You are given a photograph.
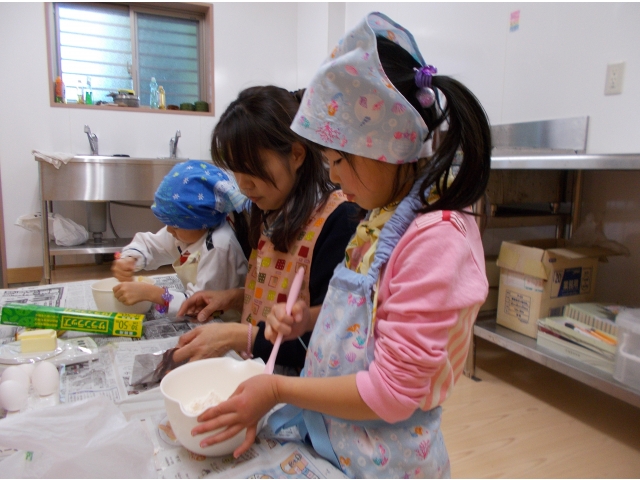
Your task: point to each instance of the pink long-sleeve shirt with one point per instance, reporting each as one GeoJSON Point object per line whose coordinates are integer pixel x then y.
{"type": "Point", "coordinates": [430, 293]}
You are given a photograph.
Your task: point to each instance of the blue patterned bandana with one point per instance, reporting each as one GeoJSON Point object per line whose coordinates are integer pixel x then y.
{"type": "Point", "coordinates": [196, 195]}
{"type": "Point", "coordinates": [352, 106]}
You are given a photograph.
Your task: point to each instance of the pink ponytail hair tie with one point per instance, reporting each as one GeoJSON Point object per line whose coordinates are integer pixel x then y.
{"type": "Point", "coordinates": [426, 96]}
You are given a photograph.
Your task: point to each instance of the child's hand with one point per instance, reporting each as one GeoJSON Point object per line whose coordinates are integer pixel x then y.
{"type": "Point", "coordinates": [206, 302]}
{"type": "Point", "coordinates": [206, 341]}
{"type": "Point", "coordinates": [131, 293]}
{"type": "Point", "coordinates": [251, 401]}
{"type": "Point", "coordinates": [123, 269]}
{"type": "Point", "coordinates": [291, 326]}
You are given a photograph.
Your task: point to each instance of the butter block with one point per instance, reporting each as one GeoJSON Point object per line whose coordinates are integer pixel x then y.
{"type": "Point", "coordinates": [43, 340]}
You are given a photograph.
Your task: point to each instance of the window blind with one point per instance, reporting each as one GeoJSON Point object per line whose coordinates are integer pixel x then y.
{"type": "Point", "coordinates": [168, 50]}
{"type": "Point", "coordinates": [96, 42]}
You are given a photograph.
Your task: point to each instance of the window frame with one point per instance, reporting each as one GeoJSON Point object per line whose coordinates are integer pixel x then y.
{"type": "Point", "coordinates": [204, 13]}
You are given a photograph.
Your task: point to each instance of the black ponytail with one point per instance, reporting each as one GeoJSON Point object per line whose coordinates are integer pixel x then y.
{"type": "Point", "coordinates": [468, 131]}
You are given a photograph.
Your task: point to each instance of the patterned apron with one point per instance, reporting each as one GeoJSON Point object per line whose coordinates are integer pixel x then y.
{"type": "Point", "coordinates": [342, 344]}
{"type": "Point", "coordinates": [270, 272]}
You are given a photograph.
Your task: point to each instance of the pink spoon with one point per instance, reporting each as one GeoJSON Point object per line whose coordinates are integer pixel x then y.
{"type": "Point", "coordinates": [293, 296]}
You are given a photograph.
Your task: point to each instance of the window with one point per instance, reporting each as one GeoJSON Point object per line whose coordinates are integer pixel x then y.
{"type": "Point", "coordinates": [112, 47]}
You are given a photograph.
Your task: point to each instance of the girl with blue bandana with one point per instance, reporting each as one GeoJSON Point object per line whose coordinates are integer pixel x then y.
{"type": "Point", "coordinates": [395, 327]}
{"type": "Point", "coordinates": [193, 201]}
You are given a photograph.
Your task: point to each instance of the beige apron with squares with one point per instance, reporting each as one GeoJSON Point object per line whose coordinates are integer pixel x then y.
{"type": "Point", "coordinates": [271, 272]}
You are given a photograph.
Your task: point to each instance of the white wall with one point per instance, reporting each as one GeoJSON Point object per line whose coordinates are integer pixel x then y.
{"type": "Point", "coordinates": [553, 66]}
{"type": "Point", "coordinates": [254, 43]}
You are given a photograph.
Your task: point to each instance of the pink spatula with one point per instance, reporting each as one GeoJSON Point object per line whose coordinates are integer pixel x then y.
{"type": "Point", "coordinates": [293, 296]}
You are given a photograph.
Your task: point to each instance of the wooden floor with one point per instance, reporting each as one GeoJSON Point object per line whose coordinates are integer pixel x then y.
{"type": "Point", "coordinates": [521, 420]}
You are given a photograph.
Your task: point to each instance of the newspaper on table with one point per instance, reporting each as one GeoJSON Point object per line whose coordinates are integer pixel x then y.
{"type": "Point", "coordinates": [271, 456]}
{"type": "Point", "coordinates": [76, 295]}
{"type": "Point", "coordinates": [50, 296]}
{"type": "Point", "coordinates": [108, 375]}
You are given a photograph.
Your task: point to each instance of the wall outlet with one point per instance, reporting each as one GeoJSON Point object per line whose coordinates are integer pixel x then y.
{"type": "Point", "coordinates": [615, 77]}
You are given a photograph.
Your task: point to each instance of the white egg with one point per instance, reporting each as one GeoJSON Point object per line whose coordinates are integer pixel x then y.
{"type": "Point", "coordinates": [13, 395]}
{"type": "Point", "coordinates": [16, 373]}
{"type": "Point", "coordinates": [45, 378]}
{"type": "Point", "coordinates": [27, 368]}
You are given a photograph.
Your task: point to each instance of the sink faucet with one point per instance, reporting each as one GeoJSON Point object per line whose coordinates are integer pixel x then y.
{"type": "Point", "coordinates": [93, 140]}
{"type": "Point", "coordinates": [173, 145]}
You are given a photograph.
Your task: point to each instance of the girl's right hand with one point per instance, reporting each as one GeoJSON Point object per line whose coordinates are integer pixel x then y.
{"type": "Point", "coordinates": [123, 269]}
{"type": "Point", "coordinates": [291, 326]}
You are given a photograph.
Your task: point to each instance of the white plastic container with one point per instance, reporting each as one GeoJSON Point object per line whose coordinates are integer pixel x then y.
{"type": "Point", "coordinates": [627, 364]}
{"type": "Point", "coordinates": [106, 301]}
{"type": "Point", "coordinates": [195, 380]}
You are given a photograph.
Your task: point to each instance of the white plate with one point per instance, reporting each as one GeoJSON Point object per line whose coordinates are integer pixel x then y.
{"type": "Point", "coordinates": [10, 353]}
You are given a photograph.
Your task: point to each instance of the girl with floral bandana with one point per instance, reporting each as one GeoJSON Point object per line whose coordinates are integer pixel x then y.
{"type": "Point", "coordinates": [395, 327]}
{"type": "Point", "coordinates": [194, 201]}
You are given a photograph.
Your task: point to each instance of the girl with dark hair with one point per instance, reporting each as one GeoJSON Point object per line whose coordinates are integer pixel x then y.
{"type": "Point", "coordinates": [395, 327]}
{"type": "Point", "coordinates": [296, 217]}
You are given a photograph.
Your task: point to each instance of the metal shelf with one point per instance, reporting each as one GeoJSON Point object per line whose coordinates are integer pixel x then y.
{"type": "Point", "coordinates": [621, 161]}
{"type": "Point", "coordinates": [487, 329]}
{"type": "Point", "coordinates": [108, 245]}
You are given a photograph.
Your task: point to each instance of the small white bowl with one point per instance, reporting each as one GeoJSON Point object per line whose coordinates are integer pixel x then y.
{"type": "Point", "coordinates": [196, 380]}
{"type": "Point", "coordinates": [106, 301]}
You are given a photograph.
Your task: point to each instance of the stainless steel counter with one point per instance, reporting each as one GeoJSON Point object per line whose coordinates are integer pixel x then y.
{"type": "Point", "coordinates": [96, 179]}
{"type": "Point", "coordinates": [621, 161]}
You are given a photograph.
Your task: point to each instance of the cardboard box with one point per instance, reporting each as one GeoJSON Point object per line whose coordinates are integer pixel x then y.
{"type": "Point", "coordinates": [539, 277]}
{"type": "Point", "coordinates": [59, 318]}
{"type": "Point", "coordinates": [491, 303]}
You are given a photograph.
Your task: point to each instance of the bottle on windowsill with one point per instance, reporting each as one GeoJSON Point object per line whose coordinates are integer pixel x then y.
{"type": "Point", "coordinates": [162, 101]}
{"type": "Point", "coordinates": [88, 95]}
{"type": "Point", "coordinates": [60, 91]}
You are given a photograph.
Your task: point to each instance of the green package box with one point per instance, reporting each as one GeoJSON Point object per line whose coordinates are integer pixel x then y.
{"type": "Point", "coordinates": [59, 318]}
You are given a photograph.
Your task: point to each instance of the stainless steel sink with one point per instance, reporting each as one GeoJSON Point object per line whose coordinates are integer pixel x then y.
{"type": "Point", "coordinates": [97, 178]}
{"type": "Point", "coordinates": [103, 178]}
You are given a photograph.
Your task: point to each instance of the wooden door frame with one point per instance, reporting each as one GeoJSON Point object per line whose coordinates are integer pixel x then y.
{"type": "Point", "coordinates": [3, 249]}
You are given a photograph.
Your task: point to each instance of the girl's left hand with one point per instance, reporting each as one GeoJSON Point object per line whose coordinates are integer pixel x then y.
{"type": "Point", "coordinates": [291, 326]}
{"type": "Point", "coordinates": [251, 401]}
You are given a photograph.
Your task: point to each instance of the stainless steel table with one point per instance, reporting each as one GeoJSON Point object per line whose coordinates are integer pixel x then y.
{"type": "Point", "coordinates": [486, 326]}
{"type": "Point", "coordinates": [96, 179]}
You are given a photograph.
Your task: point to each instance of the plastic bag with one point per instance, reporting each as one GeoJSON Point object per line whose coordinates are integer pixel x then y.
{"type": "Point", "coordinates": [64, 231]}
{"type": "Point", "coordinates": [33, 223]}
{"type": "Point", "coordinates": [67, 233]}
{"type": "Point", "coordinates": [590, 234]}
{"type": "Point", "coordinates": [86, 439]}
{"type": "Point", "coordinates": [150, 368]}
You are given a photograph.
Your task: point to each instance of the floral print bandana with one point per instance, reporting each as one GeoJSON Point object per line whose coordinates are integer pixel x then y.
{"type": "Point", "coordinates": [352, 106]}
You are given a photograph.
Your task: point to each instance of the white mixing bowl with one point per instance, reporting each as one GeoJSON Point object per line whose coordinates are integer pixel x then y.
{"type": "Point", "coordinates": [106, 301]}
{"type": "Point", "coordinates": [196, 380]}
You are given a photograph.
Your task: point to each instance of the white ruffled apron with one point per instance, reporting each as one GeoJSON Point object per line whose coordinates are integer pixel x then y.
{"type": "Point", "coordinates": [188, 271]}
{"type": "Point", "coordinates": [342, 344]}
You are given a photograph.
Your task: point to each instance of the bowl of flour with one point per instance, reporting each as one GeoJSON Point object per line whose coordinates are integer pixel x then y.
{"type": "Point", "coordinates": [196, 386]}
